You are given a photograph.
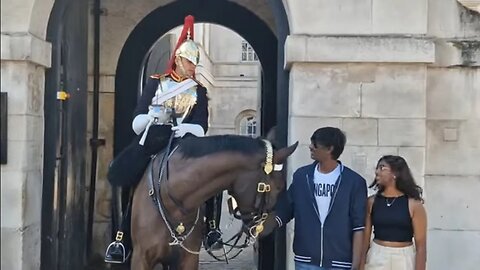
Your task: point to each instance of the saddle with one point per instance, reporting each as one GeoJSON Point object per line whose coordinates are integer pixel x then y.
{"type": "Point", "coordinates": [155, 178]}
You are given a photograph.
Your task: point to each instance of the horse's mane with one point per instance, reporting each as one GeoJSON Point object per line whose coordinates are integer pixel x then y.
{"type": "Point", "coordinates": [194, 147]}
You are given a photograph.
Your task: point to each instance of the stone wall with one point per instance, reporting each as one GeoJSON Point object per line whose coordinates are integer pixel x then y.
{"type": "Point", "coordinates": [357, 17]}
{"type": "Point", "coordinates": [452, 137]}
{"type": "Point", "coordinates": [21, 177]}
{"type": "Point", "coordinates": [399, 77]}
{"type": "Point", "coordinates": [24, 58]}
{"type": "Point", "coordinates": [395, 91]}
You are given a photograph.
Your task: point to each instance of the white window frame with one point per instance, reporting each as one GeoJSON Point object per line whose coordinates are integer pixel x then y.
{"type": "Point", "coordinates": [246, 124]}
{"type": "Point", "coordinates": [248, 53]}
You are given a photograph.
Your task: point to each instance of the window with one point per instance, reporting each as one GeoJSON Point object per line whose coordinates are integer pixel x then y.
{"type": "Point", "coordinates": [246, 123]}
{"type": "Point", "coordinates": [248, 54]}
{"type": "Point", "coordinates": [248, 126]}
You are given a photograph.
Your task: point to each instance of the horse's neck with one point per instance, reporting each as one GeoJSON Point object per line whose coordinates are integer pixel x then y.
{"type": "Point", "coordinates": [193, 181]}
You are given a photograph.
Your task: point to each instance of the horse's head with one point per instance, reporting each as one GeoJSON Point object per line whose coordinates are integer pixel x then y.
{"type": "Point", "coordinates": [256, 189]}
{"type": "Point", "coordinates": [250, 169]}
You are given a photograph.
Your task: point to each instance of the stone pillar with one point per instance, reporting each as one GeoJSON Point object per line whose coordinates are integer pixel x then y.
{"type": "Point", "coordinates": [452, 174]}
{"type": "Point", "coordinates": [380, 105]}
{"type": "Point", "coordinates": [360, 66]}
{"type": "Point", "coordinates": [24, 59]}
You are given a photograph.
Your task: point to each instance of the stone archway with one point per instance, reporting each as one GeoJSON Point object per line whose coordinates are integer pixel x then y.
{"type": "Point", "coordinates": [267, 39]}
{"type": "Point", "coordinates": [40, 16]}
{"type": "Point", "coordinates": [26, 54]}
{"type": "Point", "coordinates": [225, 13]}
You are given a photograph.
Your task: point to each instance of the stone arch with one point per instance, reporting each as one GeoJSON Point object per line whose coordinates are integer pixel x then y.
{"type": "Point", "coordinates": [39, 17]}
{"type": "Point", "coordinates": [267, 38]}
{"type": "Point", "coordinates": [286, 4]}
{"type": "Point", "coordinates": [147, 31]}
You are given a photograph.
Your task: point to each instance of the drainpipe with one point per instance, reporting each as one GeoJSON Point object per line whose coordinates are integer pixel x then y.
{"type": "Point", "coordinates": [95, 142]}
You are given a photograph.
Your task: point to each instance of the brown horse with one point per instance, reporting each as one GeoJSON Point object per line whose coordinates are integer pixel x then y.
{"type": "Point", "coordinates": [198, 169]}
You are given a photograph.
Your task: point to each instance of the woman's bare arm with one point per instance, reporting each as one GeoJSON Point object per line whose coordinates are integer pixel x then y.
{"type": "Point", "coordinates": [419, 222]}
{"type": "Point", "coordinates": [367, 232]}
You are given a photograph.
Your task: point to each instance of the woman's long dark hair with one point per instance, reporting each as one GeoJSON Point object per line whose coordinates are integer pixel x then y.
{"type": "Point", "coordinates": [404, 179]}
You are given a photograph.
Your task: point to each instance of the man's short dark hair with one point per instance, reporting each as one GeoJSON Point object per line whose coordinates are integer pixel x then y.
{"type": "Point", "coordinates": [330, 136]}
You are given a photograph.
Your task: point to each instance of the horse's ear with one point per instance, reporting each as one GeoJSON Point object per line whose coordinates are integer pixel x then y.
{"type": "Point", "coordinates": [281, 155]}
{"type": "Point", "coordinates": [271, 135]}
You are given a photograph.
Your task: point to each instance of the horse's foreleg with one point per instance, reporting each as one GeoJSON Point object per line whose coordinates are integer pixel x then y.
{"type": "Point", "coordinates": [189, 262]}
{"type": "Point", "coordinates": [139, 262]}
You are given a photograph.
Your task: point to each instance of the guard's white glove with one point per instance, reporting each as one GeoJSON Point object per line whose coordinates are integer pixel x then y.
{"type": "Point", "coordinates": [183, 129]}
{"type": "Point", "coordinates": [140, 123]}
{"type": "Point", "coordinates": [159, 113]}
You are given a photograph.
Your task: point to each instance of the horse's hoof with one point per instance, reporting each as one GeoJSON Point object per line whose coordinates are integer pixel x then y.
{"type": "Point", "coordinates": [216, 246]}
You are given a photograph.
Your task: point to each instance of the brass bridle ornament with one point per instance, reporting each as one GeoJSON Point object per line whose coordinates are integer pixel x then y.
{"type": "Point", "coordinates": [263, 189]}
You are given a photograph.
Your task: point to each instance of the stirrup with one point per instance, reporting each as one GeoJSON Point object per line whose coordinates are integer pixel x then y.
{"type": "Point", "coordinates": [116, 253]}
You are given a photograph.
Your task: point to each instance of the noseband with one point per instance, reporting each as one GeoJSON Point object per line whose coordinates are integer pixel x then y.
{"type": "Point", "coordinates": [253, 222]}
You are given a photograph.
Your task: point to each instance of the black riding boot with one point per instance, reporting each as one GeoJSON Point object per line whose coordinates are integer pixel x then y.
{"type": "Point", "coordinates": [213, 238]}
{"type": "Point", "coordinates": [119, 250]}
{"type": "Point", "coordinates": [126, 170]}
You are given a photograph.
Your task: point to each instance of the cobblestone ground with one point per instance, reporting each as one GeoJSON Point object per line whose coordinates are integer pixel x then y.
{"type": "Point", "coordinates": [244, 261]}
{"type": "Point", "coordinates": [229, 226]}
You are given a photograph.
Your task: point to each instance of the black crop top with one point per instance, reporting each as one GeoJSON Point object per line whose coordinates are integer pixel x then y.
{"type": "Point", "coordinates": [391, 219]}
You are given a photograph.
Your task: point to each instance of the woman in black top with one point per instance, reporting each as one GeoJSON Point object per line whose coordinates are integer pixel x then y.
{"type": "Point", "coordinates": [398, 218]}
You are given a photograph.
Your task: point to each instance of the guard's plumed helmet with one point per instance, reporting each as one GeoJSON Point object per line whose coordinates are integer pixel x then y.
{"type": "Point", "coordinates": [186, 47]}
{"type": "Point", "coordinates": [189, 50]}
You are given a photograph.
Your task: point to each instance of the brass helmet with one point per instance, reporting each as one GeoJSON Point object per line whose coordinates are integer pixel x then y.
{"type": "Point", "coordinates": [189, 50]}
{"type": "Point", "coordinates": [185, 47]}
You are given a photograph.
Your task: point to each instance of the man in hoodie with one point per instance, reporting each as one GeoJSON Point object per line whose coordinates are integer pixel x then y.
{"type": "Point", "coordinates": [328, 202]}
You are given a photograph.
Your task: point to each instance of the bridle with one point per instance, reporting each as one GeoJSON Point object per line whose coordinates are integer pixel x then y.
{"type": "Point", "coordinates": [256, 218]}
{"type": "Point", "coordinates": [252, 223]}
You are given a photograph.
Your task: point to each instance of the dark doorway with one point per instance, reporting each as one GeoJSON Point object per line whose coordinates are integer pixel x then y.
{"type": "Point", "coordinates": [63, 195]}
{"type": "Point", "coordinates": [267, 45]}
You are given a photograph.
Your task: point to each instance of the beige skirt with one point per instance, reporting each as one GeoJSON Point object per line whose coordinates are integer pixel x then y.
{"type": "Point", "coordinates": [390, 258]}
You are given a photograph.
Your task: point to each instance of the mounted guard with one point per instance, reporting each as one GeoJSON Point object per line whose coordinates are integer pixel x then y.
{"type": "Point", "coordinates": [172, 105]}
